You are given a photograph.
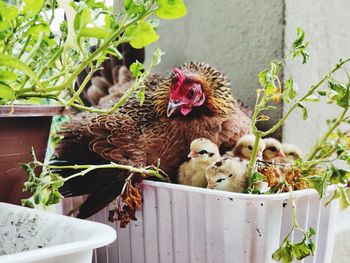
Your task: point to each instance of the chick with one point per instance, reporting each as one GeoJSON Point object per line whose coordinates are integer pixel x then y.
{"type": "Point", "coordinates": [228, 174]}
{"type": "Point", "coordinates": [203, 153]}
{"type": "Point", "coordinates": [292, 152]}
{"type": "Point", "coordinates": [244, 148]}
{"type": "Point", "coordinates": [273, 150]}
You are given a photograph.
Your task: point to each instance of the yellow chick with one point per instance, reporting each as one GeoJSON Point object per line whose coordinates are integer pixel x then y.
{"type": "Point", "coordinates": [203, 153]}
{"type": "Point", "coordinates": [244, 148]}
{"type": "Point", "coordinates": [228, 174]}
{"type": "Point", "coordinates": [292, 152]}
{"type": "Point", "coordinates": [273, 150]}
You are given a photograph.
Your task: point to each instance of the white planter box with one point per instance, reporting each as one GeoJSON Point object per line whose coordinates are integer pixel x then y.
{"type": "Point", "coordinates": [28, 235]}
{"type": "Point", "coordinates": [182, 224]}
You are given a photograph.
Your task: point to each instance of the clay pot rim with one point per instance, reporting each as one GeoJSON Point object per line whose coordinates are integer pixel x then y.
{"type": "Point", "coordinates": [31, 110]}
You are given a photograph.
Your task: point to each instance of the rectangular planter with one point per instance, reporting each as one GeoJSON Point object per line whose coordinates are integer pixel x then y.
{"type": "Point", "coordinates": [182, 224]}
{"type": "Point", "coordinates": [28, 235]}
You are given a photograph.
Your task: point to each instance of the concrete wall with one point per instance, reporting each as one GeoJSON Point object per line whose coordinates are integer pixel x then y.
{"type": "Point", "coordinates": [326, 24]}
{"type": "Point", "coordinates": [237, 37]}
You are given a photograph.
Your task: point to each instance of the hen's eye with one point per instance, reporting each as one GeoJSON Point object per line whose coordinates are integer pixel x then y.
{"type": "Point", "coordinates": [273, 149]}
{"type": "Point", "coordinates": [190, 94]}
{"type": "Point", "coordinates": [220, 180]}
{"type": "Point", "coordinates": [203, 152]}
{"type": "Point", "coordinates": [250, 147]}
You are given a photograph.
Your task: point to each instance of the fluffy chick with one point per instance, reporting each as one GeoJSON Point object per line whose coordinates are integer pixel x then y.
{"type": "Point", "coordinates": [273, 150]}
{"type": "Point", "coordinates": [244, 148]}
{"type": "Point", "coordinates": [203, 153]}
{"type": "Point", "coordinates": [292, 152]}
{"type": "Point", "coordinates": [228, 174]}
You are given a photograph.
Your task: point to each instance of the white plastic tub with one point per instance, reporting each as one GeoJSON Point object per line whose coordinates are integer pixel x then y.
{"type": "Point", "coordinates": [28, 235]}
{"type": "Point", "coordinates": [182, 224]}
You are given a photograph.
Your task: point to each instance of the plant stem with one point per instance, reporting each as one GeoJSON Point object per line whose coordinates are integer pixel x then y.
{"type": "Point", "coordinates": [252, 161]}
{"type": "Point", "coordinates": [82, 87]}
{"type": "Point", "coordinates": [324, 138]}
{"type": "Point", "coordinates": [89, 168]}
{"type": "Point", "coordinates": [310, 92]}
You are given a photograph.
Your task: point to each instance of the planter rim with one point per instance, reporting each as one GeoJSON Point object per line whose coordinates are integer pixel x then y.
{"type": "Point", "coordinates": [31, 110]}
{"type": "Point", "coordinates": [102, 236]}
{"type": "Point", "coordinates": [252, 197]}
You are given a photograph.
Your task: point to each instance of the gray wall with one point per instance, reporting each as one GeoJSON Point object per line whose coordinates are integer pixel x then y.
{"type": "Point", "coordinates": [241, 37]}
{"type": "Point", "coordinates": [326, 24]}
{"type": "Point", "coordinates": [237, 37]}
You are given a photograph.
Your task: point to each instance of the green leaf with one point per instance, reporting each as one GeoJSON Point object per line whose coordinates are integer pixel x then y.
{"type": "Point", "coordinates": [134, 7]}
{"type": "Point", "coordinates": [12, 62]}
{"type": "Point", "coordinates": [269, 107]}
{"type": "Point", "coordinates": [344, 199]}
{"type": "Point", "coordinates": [38, 28]}
{"type": "Point", "coordinates": [136, 69]}
{"type": "Point", "coordinates": [171, 9]}
{"type": "Point", "coordinates": [300, 250]}
{"type": "Point", "coordinates": [304, 110]}
{"type": "Point", "coordinates": [6, 92]}
{"type": "Point", "coordinates": [319, 183]}
{"type": "Point", "coordinates": [312, 98]}
{"type": "Point", "coordinates": [86, 27]}
{"type": "Point", "coordinates": [290, 91]}
{"type": "Point", "coordinates": [32, 7]}
{"type": "Point", "coordinates": [6, 75]}
{"type": "Point", "coordinates": [141, 35]}
{"type": "Point", "coordinates": [8, 13]}
{"type": "Point", "coordinates": [299, 46]}
{"type": "Point", "coordinates": [141, 95]}
{"type": "Point", "coordinates": [70, 14]}
{"type": "Point", "coordinates": [300, 38]}
{"type": "Point", "coordinates": [284, 253]}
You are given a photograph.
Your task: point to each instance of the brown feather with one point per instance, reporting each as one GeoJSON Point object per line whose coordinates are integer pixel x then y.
{"type": "Point", "coordinates": [142, 134]}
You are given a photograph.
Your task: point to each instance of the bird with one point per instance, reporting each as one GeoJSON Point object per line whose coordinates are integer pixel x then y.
{"type": "Point", "coordinates": [273, 150]}
{"type": "Point", "coordinates": [203, 153]}
{"type": "Point", "coordinates": [193, 101]}
{"type": "Point", "coordinates": [291, 152]}
{"type": "Point", "coordinates": [112, 80]}
{"type": "Point", "coordinates": [228, 174]}
{"type": "Point", "coordinates": [244, 148]}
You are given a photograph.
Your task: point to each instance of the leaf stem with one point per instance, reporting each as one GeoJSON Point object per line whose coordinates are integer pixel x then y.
{"type": "Point", "coordinates": [324, 138]}
{"type": "Point", "coordinates": [311, 91]}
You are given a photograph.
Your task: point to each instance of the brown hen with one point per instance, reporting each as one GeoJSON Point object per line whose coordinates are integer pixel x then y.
{"type": "Point", "coordinates": [195, 101]}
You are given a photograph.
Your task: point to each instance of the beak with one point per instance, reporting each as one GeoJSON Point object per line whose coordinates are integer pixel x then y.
{"type": "Point", "coordinates": [192, 154]}
{"type": "Point", "coordinates": [172, 107]}
{"type": "Point", "coordinates": [211, 185]}
{"type": "Point", "coordinates": [280, 154]}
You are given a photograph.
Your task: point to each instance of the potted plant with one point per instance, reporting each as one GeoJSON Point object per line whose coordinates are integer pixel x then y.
{"type": "Point", "coordinates": [283, 223]}
{"type": "Point", "coordinates": [39, 67]}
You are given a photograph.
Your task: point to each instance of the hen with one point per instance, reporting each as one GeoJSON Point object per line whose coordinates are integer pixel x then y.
{"type": "Point", "coordinates": [194, 101]}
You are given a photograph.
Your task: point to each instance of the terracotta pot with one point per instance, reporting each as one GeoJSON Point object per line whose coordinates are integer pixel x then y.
{"type": "Point", "coordinates": [21, 127]}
